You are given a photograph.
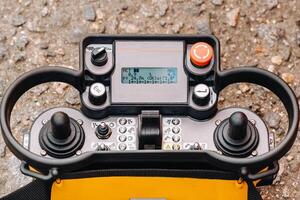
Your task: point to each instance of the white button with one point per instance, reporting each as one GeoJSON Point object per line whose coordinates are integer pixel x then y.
{"type": "Point", "coordinates": [175, 130]}
{"type": "Point", "coordinates": [122, 129]}
{"type": "Point", "coordinates": [122, 138]}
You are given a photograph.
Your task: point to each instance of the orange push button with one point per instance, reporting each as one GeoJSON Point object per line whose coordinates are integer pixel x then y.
{"type": "Point", "coordinates": [201, 54]}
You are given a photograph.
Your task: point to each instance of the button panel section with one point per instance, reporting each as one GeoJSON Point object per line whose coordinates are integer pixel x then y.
{"type": "Point", "coordinates": [172, 136]}
{"type": "Point", "coordinates": [127, 133]}
{"type": "Point", "coordinates": [179, 133]}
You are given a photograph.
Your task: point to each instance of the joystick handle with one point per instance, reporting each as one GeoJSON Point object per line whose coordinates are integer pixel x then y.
{"type": "Point", "coordinates": [60, 125]}
{"type": "Point", "coordinates": [237, 128]}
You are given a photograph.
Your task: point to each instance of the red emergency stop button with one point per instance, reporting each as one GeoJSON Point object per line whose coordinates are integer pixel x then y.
{"type": "Point", "coordinates": [201, 54]}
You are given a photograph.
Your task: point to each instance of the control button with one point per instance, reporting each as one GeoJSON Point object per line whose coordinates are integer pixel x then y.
{"type": "Point", "coordinates": [122, 147]}
{"type": "Point", "coordinates": [122, 129]}
{"type": "Point", "coordinates": [201, 94]}
{"type": "Point", "coordinates": [103, 131]}
{"type": "Point", "coordinates": [99, 56]}
{"type": "Point", "coordinates": [196, 146]}
{"type": "Point", "coordinates": [97, 93]}
{"type": "Point", "coordinates": [102, 147]}
{"type": "Point", "coordinates": [122, 121]}
{"type": "Point", "coordinates": [176, 147]}
{"type": "Point", "coordinates": [130, 138]}
{"type": "Point", "coordinates": [175, 121]}
{"type": "Point", "coordinates": [176, 138]}
{"type": "Point", "coordinates": [201, 54]}
{"type": "Point", "coordinates": [122, 138]}
{"type": "Point", "coordinates": [175, 130]}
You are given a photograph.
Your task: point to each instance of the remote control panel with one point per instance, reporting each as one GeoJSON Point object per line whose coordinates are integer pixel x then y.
{"type": "Point", "coordinates": [149, 102]}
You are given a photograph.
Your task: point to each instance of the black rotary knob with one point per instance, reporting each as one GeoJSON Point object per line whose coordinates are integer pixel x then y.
{"type": "Point", "coordinates": [97, 93]}
{"type": "Point", "coordinates": [201, 94]}
{"type": "Point", "coordinates": [237, 127]}
{"type": "Point", "coordinates": [99, 56]}
{"type": "Point", "coordinates": [103, 131]}
{"type": "Point", "coordinates": [60, 125]}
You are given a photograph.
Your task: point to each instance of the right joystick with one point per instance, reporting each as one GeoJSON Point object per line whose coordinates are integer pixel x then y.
{"type": "Point", "coordinates": [236, 136]}
{"type": "Point", "coordinates": [237, 127]}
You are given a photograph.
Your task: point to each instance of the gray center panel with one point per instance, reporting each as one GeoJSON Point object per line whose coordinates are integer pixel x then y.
{"type": "Point", "coordinates": [190, 131]}
{"type": "Point", "coordinates": [154, 54]}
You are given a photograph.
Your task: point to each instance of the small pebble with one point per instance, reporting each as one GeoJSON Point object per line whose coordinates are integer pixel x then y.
{"type": "Point", "coordinates": [45, 12]}
{"type": "Point", "coordinates": [22, 41]}
{"type": "Point", "coordinates": [217, 2]}
{"type": "Point", "coordinates": [18, 20]}
{"type": "Point", "coordinates": [277, 60]}
{"type": "Point", "coordinates": [203, 25]}
{"type": "Point", "coordinates": [298, 38]}
{"type": "Point", "coordinates": [272, 119]}
{"type": "Point", "coordinates": [232, 16]}
{"type": "Point", "coordinates": [288, 78]}
{"type": "Point", "coordinates": [76, 34]}
{"type": "Point", "coordinates": [244, 87]}
{"type": "Point", "coordinates": [177, 27]}
{"type": "Point", "coordinates": [89, 13]}
{"type": "Point", "coordinates": [272, 68]}
{"type": "Point", "coordinates": [162, 6]}
{"type": "Point", "coordinates": [271, 4]}
{"type": "Point", "coordinates": [289, 158]}
{"type": "Point", "coordinates": [3, 52]}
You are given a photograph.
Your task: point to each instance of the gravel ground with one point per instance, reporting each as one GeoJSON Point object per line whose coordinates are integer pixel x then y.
{"type": "Point", "coordinates": [47, 32]}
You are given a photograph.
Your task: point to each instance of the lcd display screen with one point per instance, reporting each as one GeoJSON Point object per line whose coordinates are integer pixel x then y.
{"type": "Point", "coordinates": [149, 75]}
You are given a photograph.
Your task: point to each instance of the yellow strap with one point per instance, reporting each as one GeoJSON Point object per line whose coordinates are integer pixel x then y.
{"type": "Point", "coordinates": [119, 188]}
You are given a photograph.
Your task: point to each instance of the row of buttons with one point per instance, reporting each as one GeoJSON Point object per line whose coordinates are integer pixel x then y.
{"type": "Point", "coordinates": [126, 134]}
{"type": "Point", "coordinates": [171, 134]}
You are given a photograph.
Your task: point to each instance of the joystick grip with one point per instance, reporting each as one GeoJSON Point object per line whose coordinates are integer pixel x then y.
{"type": "Point", "coordinates": [237, 127]}
{"type": "Point", "coordinates": [236, 136]}
{"type": "Point", "coordinates": [60, 125]}
{"type": "Point", "coordinates": [62, 136]}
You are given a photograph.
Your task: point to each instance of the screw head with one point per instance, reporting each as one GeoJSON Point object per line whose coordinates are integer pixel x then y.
{"type": "Point", "coordinates": [43, 153]}
{"type": "Point", "coordinates": [78, 153]}
{"type": "Point", "coordinates": [218, 122]}
{"type": "Point", "coordinates": [80, 122]}
{"type": "Point", "coordinates": [44, 121]}
{"type": "Point", "coordinates": [254, 153]}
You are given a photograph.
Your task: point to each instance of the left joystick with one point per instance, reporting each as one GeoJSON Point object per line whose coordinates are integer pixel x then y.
{"type": "Point", "coordinates": [60, 125]}
{"type": "Point", "coordinates": [62, 136]}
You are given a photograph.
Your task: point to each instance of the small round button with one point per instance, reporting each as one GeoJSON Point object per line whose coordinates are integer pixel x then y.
{"type": "Point", "coordinates": [201, 54]}
{"type": "Point", "coordinates": [122, 129]}
{"type": "Point", "coordinates": [97, 93]}
{"type": "Point", "coordinates": [122, 138]}
{"type": "Point", "coordinates": [201, 94]}
{"type": "Point", "coordinates": [99, 56]}
{"type": "Point", "coordinates": [122, 121]}
{"type": "Point", "coordinates": [176, 138]}
{"type": "Point", "coordinates": [175, 130]}
{"type": "Point", "coordinates": [175, 121]}
{"type": "Point", "coordinates": [122, 147]}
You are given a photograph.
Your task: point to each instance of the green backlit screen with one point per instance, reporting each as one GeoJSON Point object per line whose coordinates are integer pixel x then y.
{"type": "Point", "coordinates": [149, 75]}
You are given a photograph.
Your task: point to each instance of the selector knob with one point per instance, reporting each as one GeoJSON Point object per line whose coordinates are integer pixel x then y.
{"type": "Point", "coordinates": [201, 94]}
{"type": "Point", "coordinates": [97, 93]}
{"type": "Point", "coordinates": [99, 56]}
{"type": "Point", "coordinates": [103, 131]}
